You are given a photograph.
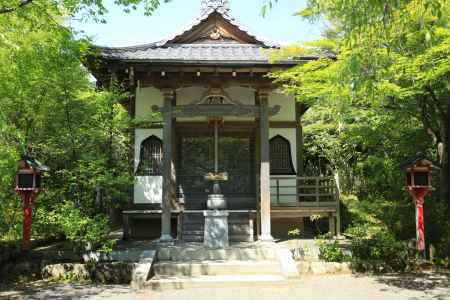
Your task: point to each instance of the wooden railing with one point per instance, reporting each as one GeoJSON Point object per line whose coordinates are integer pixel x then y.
{"type": "Point", "coordinates": [316, 191]}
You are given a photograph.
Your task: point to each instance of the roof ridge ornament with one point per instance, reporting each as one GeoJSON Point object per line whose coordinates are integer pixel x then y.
{"type": "Point", "coordinates": [221, 6]}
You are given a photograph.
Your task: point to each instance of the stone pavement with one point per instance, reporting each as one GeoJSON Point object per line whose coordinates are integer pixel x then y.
{"type": "Point", "coordinates": [342, 287]}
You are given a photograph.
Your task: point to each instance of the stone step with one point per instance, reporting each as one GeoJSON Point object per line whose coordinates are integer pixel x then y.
{"type": "Point", "coordinates": [216, 268]}
{"type": "Point", "coordinates": [168, 283]}
{"type": "Point", "coordinates": [193, 238]}
{"type": "Point", "coordinates": [199, 253]}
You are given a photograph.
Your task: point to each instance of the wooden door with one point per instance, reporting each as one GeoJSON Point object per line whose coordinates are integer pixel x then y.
{"type": "Point", "coordinates": [196, 158]}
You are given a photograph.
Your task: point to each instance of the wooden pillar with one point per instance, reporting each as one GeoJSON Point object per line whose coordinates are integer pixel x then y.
{"type": "Point", "coordinates": [266, 234]}
{"type": "Point", "coordinates": [300, 110]}
{"type": "Point", "coordinates": [332, 224]}
{"type": "Point", "coordinates": [257, 170]}
{"type": "Point", "coordinates": [131, 149]}
{"type": "Point", "coordinates": [166, 217]}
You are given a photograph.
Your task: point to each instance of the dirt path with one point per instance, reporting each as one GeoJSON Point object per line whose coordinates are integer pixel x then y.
{"type": "Point", "coordinates": [343, 287]}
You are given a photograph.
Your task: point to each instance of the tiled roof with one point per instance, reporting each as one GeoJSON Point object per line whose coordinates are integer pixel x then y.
{"type": "Point", "coordinates": [228, 17]}
{"type": "Point", "coordinates": [208, 52]}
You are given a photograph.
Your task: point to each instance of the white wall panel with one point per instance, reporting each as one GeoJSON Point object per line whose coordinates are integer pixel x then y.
{"type": "Point", "coordinates": [147, 189]}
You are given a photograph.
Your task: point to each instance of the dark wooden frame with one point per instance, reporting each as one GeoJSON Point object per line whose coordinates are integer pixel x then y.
{"type": "Point", "coordinates": [157, 139]}
{"type": "Point", "coordinates": [291, 165]}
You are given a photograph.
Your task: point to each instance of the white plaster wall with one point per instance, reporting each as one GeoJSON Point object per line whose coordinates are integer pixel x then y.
{"type": "Point", "coordinates": [290, 134]}
{"type": "Point", "coordinates": [287, 103]}
{"type": "Point", "coordinates": [145, 99]}
{"type": "Point", "coordinates": [147, 189]}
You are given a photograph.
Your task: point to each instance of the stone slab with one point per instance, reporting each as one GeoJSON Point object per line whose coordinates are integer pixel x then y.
{"type": "Point", "coordinates": [143, 256]}
{"type": "Point", "coordinates": [215, 281]}
{"type": "Point", "coordinates": [216, 229]}
{"type": "Point", "coordinates": [288, 265]}
{"type": "Point", "coordinates": [202, 253]}
{"type": "Point", "coordinates": [140, 275]}
{"type": "Point", "coordinates": [323, 268]}
{"type": "Point", "coordinates": [215, 268]}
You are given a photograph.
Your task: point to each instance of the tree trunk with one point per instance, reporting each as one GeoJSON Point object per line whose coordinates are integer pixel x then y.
{"type": "Point", "coordinates": [445, 161]}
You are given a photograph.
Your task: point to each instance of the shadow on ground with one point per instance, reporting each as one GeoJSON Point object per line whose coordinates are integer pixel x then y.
{"type": "Point", "coordinates": [436, 283]}
{"type": "Point", "coordinates": [47, 290]}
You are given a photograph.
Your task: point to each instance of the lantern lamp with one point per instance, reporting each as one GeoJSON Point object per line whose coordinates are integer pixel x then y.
{"type": "Point", "coordinates": [28, 187]}
{"type": "Point", "coordinates": [418, 174]}
{"type": "Point", "coordinates": [418, 184]}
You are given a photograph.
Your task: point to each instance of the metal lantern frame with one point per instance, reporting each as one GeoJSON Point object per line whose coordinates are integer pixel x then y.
{"type": "Point", "coordinates": [28, 187]}
{"type": "Point", "coordinates": [418, 184]}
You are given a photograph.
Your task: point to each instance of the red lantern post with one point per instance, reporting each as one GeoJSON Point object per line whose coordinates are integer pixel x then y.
{"type": "Point", "coordinates": [28, 198]}
{"type": "Point", "coordinates": [418, 184]}
{"type": "Point", "coordinates": [28, 187]}
{"type": "Point", "coordinates": [418, 196]}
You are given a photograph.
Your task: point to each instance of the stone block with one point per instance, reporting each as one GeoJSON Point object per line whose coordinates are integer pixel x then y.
{"type": "Point", "coordinates": [140, 275]}
{"type": "Point", "coordinates": [165, 253]}
{"type": "Point", "coordinates": [114, 273]}
{"type": "Point", "coordinates": [304, 267]}
{"type": "Point", "coordinates": [66, 271]}
{"type": "Point", "coordinates": [216, 229]}
{"type": "Point", "coordinates": [288, 266]}
{"type": "Point", "coordinates": [318, 268]}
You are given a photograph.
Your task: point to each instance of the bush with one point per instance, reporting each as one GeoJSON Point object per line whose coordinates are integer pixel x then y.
{"type": "Point", "coordinates": [378, 252]}
{"type": "Point", "coordinates": [87, 233]}
{"type": "Point", "coordinates": [331, 252]}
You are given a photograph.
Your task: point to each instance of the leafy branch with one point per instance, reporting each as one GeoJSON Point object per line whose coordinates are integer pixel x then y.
{"type": "Point", "coordinates": [5, 10]}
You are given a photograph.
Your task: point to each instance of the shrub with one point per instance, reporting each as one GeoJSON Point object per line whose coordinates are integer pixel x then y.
{"type": "Point", "coordinates": [87, 233]}
{"type": "Point", "coordinates": [331, 252]}
{"type": "Point", "coordinates": [378, 252]}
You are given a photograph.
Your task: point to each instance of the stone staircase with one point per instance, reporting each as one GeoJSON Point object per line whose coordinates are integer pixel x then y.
{"type": "Point", "coordinates": [192, 265]}
{"type": "Point", "coordinates": [240, 227]}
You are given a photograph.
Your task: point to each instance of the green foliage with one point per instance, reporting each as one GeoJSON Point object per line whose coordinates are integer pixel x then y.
{"type": "Point", "coordinates": [295, 233]}
{"type": "Point", "coordinates": [47, 100]}
{"type": "Point", "coordinates": [377, 95]}
{"type": "Point", "coordinates": [82, 9]}
{"type": "Point", "coordinates": [330, 251]}
{"type": "Point", "coordinates": [87, 233]}
{"type": "Point", "coordinates": [378, 252]}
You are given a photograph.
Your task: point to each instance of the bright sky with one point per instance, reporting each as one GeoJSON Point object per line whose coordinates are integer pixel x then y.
{"type": "Point", "coordinates": [280, 25]}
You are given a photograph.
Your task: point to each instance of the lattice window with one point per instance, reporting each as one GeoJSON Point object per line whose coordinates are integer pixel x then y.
{"type": "Point", "coordinates": [151, 156]}
{"type": "Point", "coordinates": [280, 157]}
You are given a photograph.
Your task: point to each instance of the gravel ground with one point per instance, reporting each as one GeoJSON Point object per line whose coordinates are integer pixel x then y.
{"type": "Point", "coordinates": [412, 287]}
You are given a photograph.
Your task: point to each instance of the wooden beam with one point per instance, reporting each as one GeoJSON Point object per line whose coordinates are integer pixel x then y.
{"type": "Point", "coordinates": [216, 110]}
{"type": "Point", "coordinates": [229, 125]}
{"type": "Point", "coordinates": [175, 80]}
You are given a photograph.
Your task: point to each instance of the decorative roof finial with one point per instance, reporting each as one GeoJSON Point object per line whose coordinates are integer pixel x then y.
{"type": "Point", "coordinates": [221, 6]}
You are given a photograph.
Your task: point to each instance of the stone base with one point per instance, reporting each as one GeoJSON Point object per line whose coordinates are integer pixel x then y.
{"type": "Point", "coordinates": [166, 240]}
{"type": "Point", "coordinates": [216, 229]}
{"type": "Point", "coordinates": [266, 238]}
{"type": "Point", "coordinates": [216, 201]}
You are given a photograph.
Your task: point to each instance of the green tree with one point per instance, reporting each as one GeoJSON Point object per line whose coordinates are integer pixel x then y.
{"type": "Point", "coordinates": [400, 64]}
{"type": "Point", "coordinates": [47, 100]}
{"type": "Point", "coordinates": [378, 94]}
